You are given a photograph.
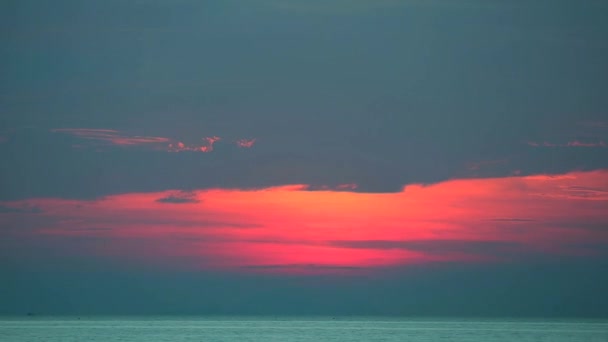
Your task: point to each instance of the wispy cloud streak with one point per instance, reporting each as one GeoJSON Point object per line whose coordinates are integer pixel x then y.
{"type": "Point", "coordinates": [118, 138]}
{"type": "Point", "coordinates": [573, 143]}
{"type": "Point", "coordinates": [110, 136]}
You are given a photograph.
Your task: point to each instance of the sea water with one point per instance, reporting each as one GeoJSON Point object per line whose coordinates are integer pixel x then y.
{"type": "Point", "coordinates": [153, 329]}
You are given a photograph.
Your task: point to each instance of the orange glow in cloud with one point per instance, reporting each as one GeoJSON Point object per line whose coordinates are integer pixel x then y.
{"type": "Point", "coordinates": [469, 220]}
{"type": "Point", "coordinates": [206, 147]}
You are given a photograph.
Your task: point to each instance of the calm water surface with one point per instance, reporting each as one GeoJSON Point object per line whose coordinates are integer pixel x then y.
{"type": "Point", "coordinates": [151, 329]}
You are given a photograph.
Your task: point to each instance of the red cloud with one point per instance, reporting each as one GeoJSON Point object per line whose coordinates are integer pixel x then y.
{"type": "Point", "coordinates": [468, 220]}
{"type": "Point", "coordinates": [206, 147]}
{"type": "Point", "coordinates": [247, 143]}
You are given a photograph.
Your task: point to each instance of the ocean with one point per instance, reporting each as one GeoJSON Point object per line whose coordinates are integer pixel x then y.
{"type": "Point", "coordinates": [318, 329]}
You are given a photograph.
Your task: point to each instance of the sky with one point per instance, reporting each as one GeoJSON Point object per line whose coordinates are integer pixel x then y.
{"type": "Point", "coordinates": [336, 157]}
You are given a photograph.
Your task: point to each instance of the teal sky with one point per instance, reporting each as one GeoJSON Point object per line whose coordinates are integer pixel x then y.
{"type": "Point", "coordinates": [102, 100]}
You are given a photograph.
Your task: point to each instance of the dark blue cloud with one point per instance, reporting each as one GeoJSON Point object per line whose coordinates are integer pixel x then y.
{"type": "Point", "coordinates": [178, 198]}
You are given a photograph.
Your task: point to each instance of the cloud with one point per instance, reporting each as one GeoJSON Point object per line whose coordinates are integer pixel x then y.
{"type": "Point", "coordinates": [462, 221]}
{"type": "Point", "coordinates": [590, 134]}
{"type": "Point", "coordinates": [180, 197]}
{"type": "Point", "coordinates": [117, 138]}
{"type": "Point", "coordinates": [245, 143]}
{"type": "Point", "coordinates": [511, 219]}
{"type": "Point", "coordinates": [19, 209]}
{"type": "Point", "coordinates": [573, 143]}
{"type": "Point", "coordinates": [577, 134]}
{"type": "Point", "coordinates": [339, 187]}
{"type": "Point", "coordinates": [586, 192]}
{"type": "Point", "coordinates": [110, 136]}
{"type": "Point", "coordinates": [577, 143]}
{"type": "Point", "coordinates": [206, 147]}
{"type": "Point", "coordinates": [300, 266]}
{"type": "Point", "coordinates": [302, 269]}
{"type": "Point", "coordinates": [455, 248]}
